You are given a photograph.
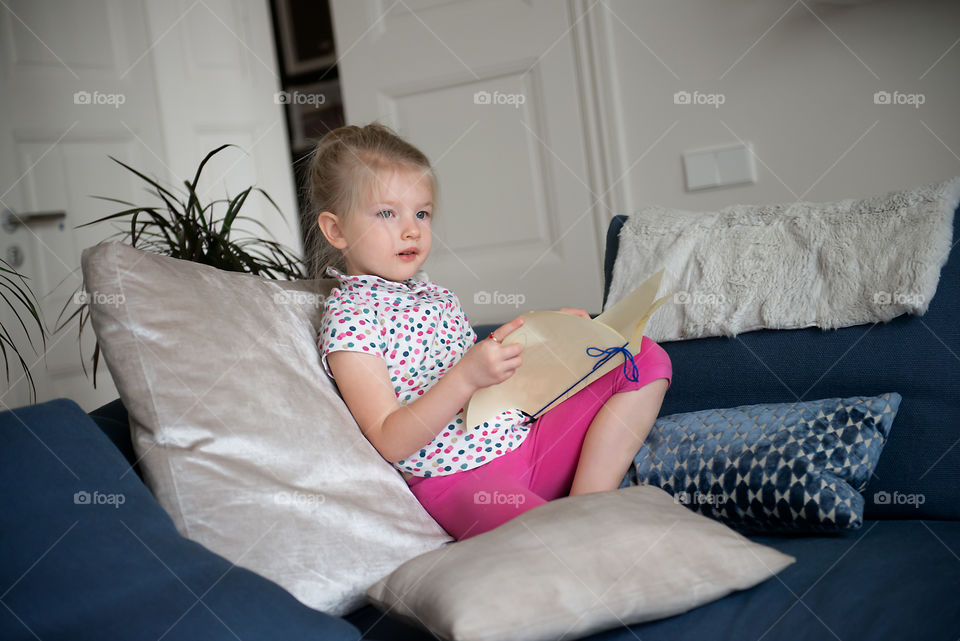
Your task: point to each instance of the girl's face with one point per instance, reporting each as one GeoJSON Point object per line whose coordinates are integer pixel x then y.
{"type": "Point", "coordinates": [389, 234]}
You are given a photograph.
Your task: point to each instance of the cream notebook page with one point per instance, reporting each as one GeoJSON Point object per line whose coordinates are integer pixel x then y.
{"type": "Point", "coordinates": [555, 354]}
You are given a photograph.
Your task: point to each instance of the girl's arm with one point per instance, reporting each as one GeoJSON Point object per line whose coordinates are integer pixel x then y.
{"type": "Point", "coordinates": [396, 430]}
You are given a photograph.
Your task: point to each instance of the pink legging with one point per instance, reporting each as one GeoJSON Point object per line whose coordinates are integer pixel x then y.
{"type": "Point", "coordinates": [542, 468]}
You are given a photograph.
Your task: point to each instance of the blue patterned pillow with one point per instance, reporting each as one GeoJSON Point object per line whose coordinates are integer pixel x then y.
{"type": "Point", "coordinates": [778, 467]}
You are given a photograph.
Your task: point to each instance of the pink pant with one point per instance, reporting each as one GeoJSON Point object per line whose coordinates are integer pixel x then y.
{"type": "Point", "coordinates": [542, 468]}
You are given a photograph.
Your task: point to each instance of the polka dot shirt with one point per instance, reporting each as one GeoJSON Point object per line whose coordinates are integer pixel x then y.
{"type": "Point", "coordinates": [420, 331]}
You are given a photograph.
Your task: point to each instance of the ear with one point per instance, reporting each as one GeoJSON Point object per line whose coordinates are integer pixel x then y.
{"type": "Point", "coordinates": [331, 227]}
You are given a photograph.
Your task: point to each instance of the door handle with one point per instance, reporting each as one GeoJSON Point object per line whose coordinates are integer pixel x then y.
{"type": "Point", "coordinates": [11, 221]}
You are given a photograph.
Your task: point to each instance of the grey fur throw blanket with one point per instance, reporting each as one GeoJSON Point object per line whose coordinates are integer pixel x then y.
{"type": "Point", "coordinates": [787, 266]}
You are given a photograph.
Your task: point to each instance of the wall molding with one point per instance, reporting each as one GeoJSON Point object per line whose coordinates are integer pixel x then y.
{"type": "Point", "coordinates": [598, 92]}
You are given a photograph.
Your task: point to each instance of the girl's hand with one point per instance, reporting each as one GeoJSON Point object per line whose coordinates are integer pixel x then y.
{"type": "Point", "coordinates": [575, 311]}
{"type": "Point", "coordinates": [487, 362]}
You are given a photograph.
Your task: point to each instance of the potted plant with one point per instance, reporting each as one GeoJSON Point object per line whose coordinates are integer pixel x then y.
{"type": "Point", "coordinates": [183, 227]}
{"type": "Point", "coordinates": [18, 297]}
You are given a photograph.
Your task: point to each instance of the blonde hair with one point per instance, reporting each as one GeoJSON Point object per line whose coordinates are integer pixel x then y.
{"type": "Point", "coordinates": [344, 169]}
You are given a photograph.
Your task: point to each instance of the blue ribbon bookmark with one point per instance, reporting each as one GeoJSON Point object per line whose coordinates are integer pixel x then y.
{"type": "Point", "coordinates": [632, 374]}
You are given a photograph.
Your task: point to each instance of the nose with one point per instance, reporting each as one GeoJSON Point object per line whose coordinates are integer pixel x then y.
{"type": "Point", "coordinates": [411, 230]}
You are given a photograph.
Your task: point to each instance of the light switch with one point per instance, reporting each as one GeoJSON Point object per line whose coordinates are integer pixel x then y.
{"type": "Point", "coordinates": [735, 165]}
{"type": "Point", "coordinates": [701, 170]}
{"type": "Point", "coordinates": [718, 166]}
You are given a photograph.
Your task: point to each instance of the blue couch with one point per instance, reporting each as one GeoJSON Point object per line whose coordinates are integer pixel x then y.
{"type": "Point", "coordinates": [87, 553]}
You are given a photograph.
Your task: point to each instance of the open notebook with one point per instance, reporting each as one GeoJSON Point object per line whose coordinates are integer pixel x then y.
{"type": "Point", "coordinates": [563, 353]}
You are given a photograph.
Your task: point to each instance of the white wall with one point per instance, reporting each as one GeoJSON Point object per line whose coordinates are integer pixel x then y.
{"type": "Point", "coordinates": [798, 80]}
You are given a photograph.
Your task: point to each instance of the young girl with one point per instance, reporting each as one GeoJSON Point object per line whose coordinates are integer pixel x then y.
{"type": "Point", "coordinates": [406, 360]}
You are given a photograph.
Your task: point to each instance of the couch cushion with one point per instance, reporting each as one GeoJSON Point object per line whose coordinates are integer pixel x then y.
{"type": "Point", "coordinates": [915, 355]}
{"type": "Point", "coordinates": [889, 581]}
{"type": "Point", "coordinates": [241, 435]}
{"type": "Point", "coordinates": [88, 553]}
{"type": "Point", "coordinates": [797, 467]}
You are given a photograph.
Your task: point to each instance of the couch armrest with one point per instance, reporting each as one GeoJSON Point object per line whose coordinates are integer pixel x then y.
{"type": "Point", "coordinates": [113, 421]}
{"type": "Point", "coordinates": [85, 546]}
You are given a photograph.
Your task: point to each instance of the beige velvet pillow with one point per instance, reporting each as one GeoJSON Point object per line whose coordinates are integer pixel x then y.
{"type": "Point", "coordinates": [575, 566]}
{"type": "Point", "coordinates": [241, 435]}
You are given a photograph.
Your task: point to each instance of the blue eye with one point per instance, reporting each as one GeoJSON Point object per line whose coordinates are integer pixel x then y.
{"type": "Point", "coordinates": [426, 214]}
{"type": "Point", "coordinates": [384, 211]}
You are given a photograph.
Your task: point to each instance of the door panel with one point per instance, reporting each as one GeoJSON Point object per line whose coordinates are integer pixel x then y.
{"type": "Point", "coordinates": [156, 84]}
{"type": "Point", "coordinates": [488, 90]}
{"type": "Point", "coordinates": [66, 106]}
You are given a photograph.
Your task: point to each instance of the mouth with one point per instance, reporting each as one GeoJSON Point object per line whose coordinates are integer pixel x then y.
{"type": "Point", "coordinates": [409, 252]}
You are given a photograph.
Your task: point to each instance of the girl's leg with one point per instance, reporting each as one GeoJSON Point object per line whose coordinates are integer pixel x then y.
{"type": "Point", "coordinates": [607, 421]}
{"type": "Point", "coordinates": [544, 467]}
{"type": "Point", "coordinates": [615, 435]}
{"type": "Point", "coordinates": [474, 501]}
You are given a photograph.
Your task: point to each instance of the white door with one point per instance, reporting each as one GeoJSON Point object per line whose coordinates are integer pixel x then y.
{"type": "Point", "coordinates": [155, 84]}
{"type": "Point", "coordinates": [489, 91]}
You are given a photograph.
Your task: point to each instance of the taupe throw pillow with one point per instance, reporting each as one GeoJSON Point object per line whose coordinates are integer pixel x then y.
{"type": "Point", "coordinates": [241, 435]}
{"type": "Point", "coordinates": [575, 566]}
